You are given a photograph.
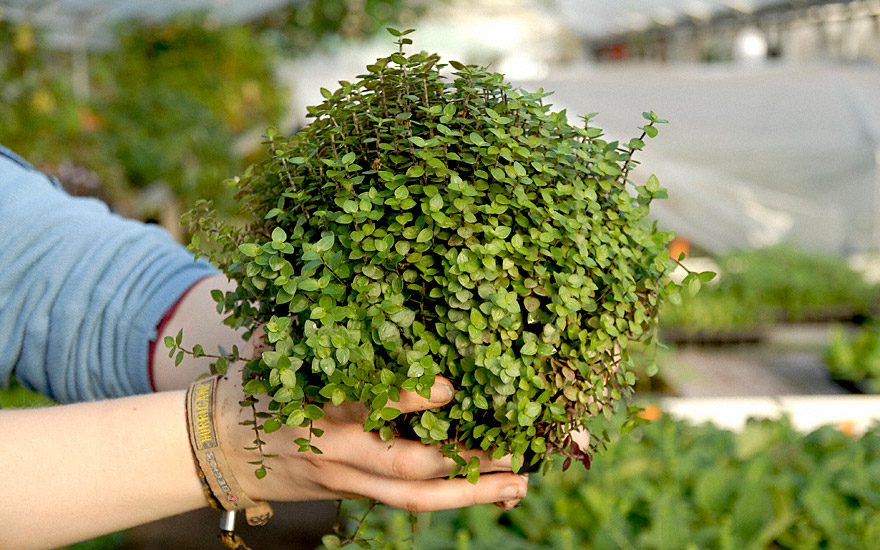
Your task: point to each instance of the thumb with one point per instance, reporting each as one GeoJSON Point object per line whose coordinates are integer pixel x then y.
{"type": "Point", "coordinates": [441, 394]}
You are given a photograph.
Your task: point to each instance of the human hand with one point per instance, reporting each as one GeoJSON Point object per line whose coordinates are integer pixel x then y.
{"type": "Point", "coordinates": [356, 464]}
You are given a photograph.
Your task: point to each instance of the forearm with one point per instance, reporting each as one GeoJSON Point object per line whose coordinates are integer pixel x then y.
{"type": "Point", "coordinates": [74, 472]}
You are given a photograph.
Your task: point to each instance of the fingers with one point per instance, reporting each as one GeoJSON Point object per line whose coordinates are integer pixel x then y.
{"type": "Point", "coordinates": [442, 494]}
{"type": "Point", "coordinates": [400, 458]}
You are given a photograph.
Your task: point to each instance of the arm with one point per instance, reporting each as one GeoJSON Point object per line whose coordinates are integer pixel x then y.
{"type": "Point", "coordinates": [82, 290]}
{"type": "Point", "coordinates": [197, 316]}
{"type": "Point", "coordinates": [94, 468]}
{"type": "Point", "coordinates": [74, 472]}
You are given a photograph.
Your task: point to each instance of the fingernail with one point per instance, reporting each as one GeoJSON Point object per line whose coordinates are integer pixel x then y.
{"type": "Point", "coordinates": [441, 393]}
{"type": "Point", "coordinates": [510, 492]}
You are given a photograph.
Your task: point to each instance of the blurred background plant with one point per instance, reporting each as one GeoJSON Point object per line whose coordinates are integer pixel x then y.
{"type": "Point", "coordinates": [178, 106]}
{"type": "Point", "coordinates": [671, 484]}
{"type": "Point", "coordinates": [853, 355]}
{"type": "Point", "coordinates": [757, 288]}
{"type": "Point", "coordinates": [185, 103]}
{"type": "Point", "coordinates": [303, 27]}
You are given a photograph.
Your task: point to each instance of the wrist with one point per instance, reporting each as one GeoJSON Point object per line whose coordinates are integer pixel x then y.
{"type": "Point", "coordinates": [218, 473]}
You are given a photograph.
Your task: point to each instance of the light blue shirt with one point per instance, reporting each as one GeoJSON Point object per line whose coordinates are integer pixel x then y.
{"type": "Point", "coordinates": [81, 289]}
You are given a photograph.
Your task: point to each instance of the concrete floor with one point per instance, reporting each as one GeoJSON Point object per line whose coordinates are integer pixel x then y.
{"type": "Point", "coordinates": [788, 362]}
{"type": "Point", "coordinates": [295, 526]}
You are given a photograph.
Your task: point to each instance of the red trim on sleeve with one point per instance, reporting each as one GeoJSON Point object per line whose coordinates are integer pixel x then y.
{"type": "Point", "coordinates": [161, 326]}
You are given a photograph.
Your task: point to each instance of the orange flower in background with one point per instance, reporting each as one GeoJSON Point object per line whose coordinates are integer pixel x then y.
{"type": "Point", "coordinates": [847, 427]}
{"type": "Point", "coordinates": [679, 246]}
{"type": "Point", "coordinates": [651, 413]}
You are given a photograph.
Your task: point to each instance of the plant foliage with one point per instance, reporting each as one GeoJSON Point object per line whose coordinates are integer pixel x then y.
{"type": "Point", "coordinates": [424, 225]}
{"type": "Point", "coordinates": [673, 485]}
{"type": "Point", "coordinates": [854, 356]}
{"type": "Point", "coordinates": [759, 287]}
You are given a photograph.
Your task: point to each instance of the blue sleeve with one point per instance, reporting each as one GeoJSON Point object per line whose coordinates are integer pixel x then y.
{"type": "Point", "coordinates": [81, 289]}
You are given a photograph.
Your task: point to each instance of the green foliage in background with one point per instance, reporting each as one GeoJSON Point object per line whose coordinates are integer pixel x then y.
{"type": "Point", "coordinates": [713, 314]}
{"type": "Point", "coordinates": [16, 396]}
{"type": "Point", "coordinates": [671, 485]}
{"type": "Point", "coordinates": [182, 102]}
{"type": "Point", "coordinates": [423, 226]}
{"type": "Point", "coordinates": [795, 284]}
{"type": "Point", "coordinates": [302, 27]}
{"type": "Point", "coordinates": [39, 116]}
{"type": "Point", "coordinates": [176, 96]}
{"type": "Point", "coordinates": [759, 287]}
{"type": "Point", "coordinates": [854, 355]}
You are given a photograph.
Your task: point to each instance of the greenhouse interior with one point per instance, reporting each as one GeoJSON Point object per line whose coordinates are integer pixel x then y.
{"type": "Point", "coordinates": [744, 411]}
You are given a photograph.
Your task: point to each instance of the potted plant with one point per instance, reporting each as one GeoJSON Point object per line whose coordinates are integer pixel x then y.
{"type": "Point", "coordinates": [428, 225]}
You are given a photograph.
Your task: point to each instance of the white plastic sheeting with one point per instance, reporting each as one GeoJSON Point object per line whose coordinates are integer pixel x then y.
{"type": "Point", "coordinates": [600, 18]}
{"type": "Point", "coordinates": [854, 414]}
{"type": "Point", "coordinates": [752, 156]}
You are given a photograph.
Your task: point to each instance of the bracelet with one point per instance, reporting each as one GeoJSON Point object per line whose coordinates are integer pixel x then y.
{"type": "Point", "coordinates": [221, 489]}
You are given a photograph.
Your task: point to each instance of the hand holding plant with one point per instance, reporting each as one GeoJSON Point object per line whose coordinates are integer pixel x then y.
{"type": "Point", "coordinates": [353, 463]}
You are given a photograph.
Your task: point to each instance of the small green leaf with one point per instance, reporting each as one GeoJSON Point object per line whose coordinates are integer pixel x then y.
{"type": "Point", "coordinates": [220, 366]}
{"type": "Point", "coordinates": [333, 542]}
{"type": "Point", "coordinates": [249, 249]}
{"type": "Point", "coordinates": [271, 425]}
{"type": "Point", "coordinates": [706, 276]}
{"type": "Point", "coordinates": [338, 396]}
{"type": "Point", "coordinates": [254, 387]}
{"type": "Point", "coordinates": [693, 286]}
{"type": "Point", "coordinates": [326, 242]}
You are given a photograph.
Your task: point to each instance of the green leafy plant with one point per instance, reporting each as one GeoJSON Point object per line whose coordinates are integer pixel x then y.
{"type": "Point", "coordinates": [304, 27]}
{"type": "Point", "coordinates": [157, 112]}
{"type": "Point", "coordinates": [714, 315]}
{"type": "Point", "coordinates": [797, 285]}
{"type": "Point", "coordinates": [674, 485]}
{"type": "Point", "coordinates": [424, 226]}
{"type": "Point", "coordinates": [854, 356]}
{"type": "Point", "coordinates": [166, 114]}
{"type": "Point", "coordinates": [16, 396]}
{"type": "Point", "coordinates": [760, 287]}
